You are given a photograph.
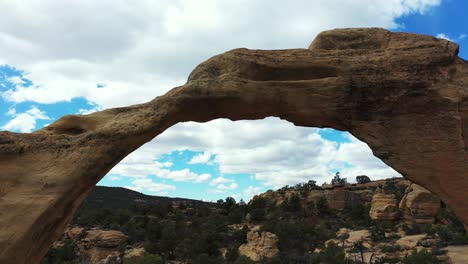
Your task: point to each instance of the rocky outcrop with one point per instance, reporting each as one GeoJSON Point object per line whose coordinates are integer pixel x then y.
{"type": "Point", "coordinates": [410, 242]}
{"type": "Point", "coordinates": [259, 245]}
{"type": "Point", "coordinates": [75, 232]}
{"type": "Point", "coordinates": [405, 95]}
{"type": "Point", "coordinates": [103, 247]}
{"type": "Point", "coordinates": [384, 207]}
{"type": "Point", "coordinates": [338, 197]}
{"type": "Point", "coordinates": [419, 206]}
{"type": "Point", "coordinates": [134, 254]}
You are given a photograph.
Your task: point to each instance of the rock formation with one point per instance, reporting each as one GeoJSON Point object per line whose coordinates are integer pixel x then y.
{"type": "Point", "coordinates": [259, 245]}
{"type": "Point", "coordinates": [384, 207]}
{"type": "Point", "coordinates": [338, 197]}
{"type": "Point", "coordinates": [419, 206]}
{"type": "Point", "coordinates": [403, 94]}
{"type": "Point", "coordinates": [134, 254]}
{"type": "Point", "coordinates": [103, 247]}
{"type": "Point", "coordinates": [410, 242]}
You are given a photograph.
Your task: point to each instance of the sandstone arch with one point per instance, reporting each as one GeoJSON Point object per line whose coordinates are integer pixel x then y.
{"type": "Point", "coordinates": [403, 94]}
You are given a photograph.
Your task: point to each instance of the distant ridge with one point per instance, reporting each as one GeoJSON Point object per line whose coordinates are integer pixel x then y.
{"type": "Point", "coordinates": [120, 198]}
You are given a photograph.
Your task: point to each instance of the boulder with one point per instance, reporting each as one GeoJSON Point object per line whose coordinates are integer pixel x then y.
{"type": "Point", "coordinates": [384, 207]}
{"type": "Point", "coordinates": [338, 197]}
{"type": "Point", "coordinates": [343, 232]}
{"type": "Point", "coordinates": [410, 242]}
{"type": "Point", "coordinates": [419, 206]}
{"type": "Point", "coordinates": [107, 238]}
{"type": "Point", "coordinates": [134, 254]}
{"type": "Point", "coordinates": [103, 247]}
{"type": "Point", "coordinates": [363, 237]}
{"type": "Point", "coordinates": [75, 232]}
{"type": "Point", "coordinates": [259, 245]}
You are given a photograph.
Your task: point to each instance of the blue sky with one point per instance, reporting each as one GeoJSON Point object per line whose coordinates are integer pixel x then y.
{"type": "Point", "coordinates": [81, 60]}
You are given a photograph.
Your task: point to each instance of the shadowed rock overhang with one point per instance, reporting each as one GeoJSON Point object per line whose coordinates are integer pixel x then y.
{"type": "Point", "coordinates": [403, 94]}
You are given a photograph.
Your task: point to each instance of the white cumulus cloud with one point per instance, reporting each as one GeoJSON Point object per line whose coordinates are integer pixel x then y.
{"type": "Point", "coordinates": [26, 121]}
{"type": "Point", "coordinates": [148, 185]}
{"type": "Point", "coordinates": [201, 158]}
{"type": "Point", "coordinates": [142, 49]}
{"type": "Point", "coordinates": [220, 180]}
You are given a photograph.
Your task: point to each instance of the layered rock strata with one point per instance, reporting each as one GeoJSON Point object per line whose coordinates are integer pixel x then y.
{"type": "Point", "coordinates": [260, 245]}
{"type": "Point", "coordinates": [419, 206]}
{"type": "Point", "coordinates": [384, 207]}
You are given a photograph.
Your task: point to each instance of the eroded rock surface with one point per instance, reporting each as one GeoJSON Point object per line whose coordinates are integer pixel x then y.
{"type": "Point", "coordinates": [410, 242]}
{"type": "Point", "coordinates": [384, 207]}
{"type": "Point", "coordinates": [403, 94]}
{"type": "Point", "coordinates": [103, 246]}
{"type": "Point", "coordinates": [419, 206]}
{"type": "Point", "coordinates": [259, 245]}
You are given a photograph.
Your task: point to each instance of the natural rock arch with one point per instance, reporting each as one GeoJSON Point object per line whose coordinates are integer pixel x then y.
{"type": "Point", "coordinates": [403, 94]}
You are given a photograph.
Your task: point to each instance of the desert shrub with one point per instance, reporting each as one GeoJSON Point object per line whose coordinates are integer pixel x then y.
{"type": "Point", "coordinates": [147, 259]}
{"type": "Point", "coordinates": [321, 205]}
{"type": "Point", "coordinates": [391, 187]}
{"type": "Point", "coordinates": [377, 232]}
{"type": "Point", "coordinates": [292, 204]}
{"type": "Point", "coordinates": [362, 179]}
{"type": "Point", "coordinates": [207, 259]}
{"type": "Point", "coordinates": [389, 248]}
{"type": "Point", "coordinates": [337, 180]}
{"type": "Point", "coordinates": [428, 229]}
{"type": "Point", "coordinates": [422, 256]}
{"type": "Point", "coordinates": [453, 232]}
{"type": "Point", "coordinates": [63, 255]}
{"type": "Point", "coordinates": [358, 212]}
{"type": "Point", "coordinates": [452, 236]}
{"type": "Point", "coordinates": [332, 254]}
{"type": "Point", "coordinates": [243, 260]}
{"type": "Point", "coordinates": [412, 229]}
{"type": "Point", "coordinates": [386, 260]}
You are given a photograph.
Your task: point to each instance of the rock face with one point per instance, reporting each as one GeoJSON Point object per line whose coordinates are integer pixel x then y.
{"type": "Point", "coordinates": [405, 95]}
{"type": "Point", "coordinates": [338, 197]}
{"type": "Point", "coordinates": [103, 247]}
{"type": "Point", "coordinates": [384, 207]}
{"type": "Point", "coordinates": [419, 206]}
{"type": "Point", "coordinates": [259, 245]}
{"type": "Point", "coordinates": [410, 242]}
{"type": "Point", "coordinates": [134, 254]}
{"type": "Point", "coordinates": [75, 232]}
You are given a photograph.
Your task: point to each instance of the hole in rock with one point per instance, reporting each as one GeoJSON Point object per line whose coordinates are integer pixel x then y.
{"type": "Point", "coordinates": [222, 158]}
{"type": "Point", "coordinates": [215, 168]}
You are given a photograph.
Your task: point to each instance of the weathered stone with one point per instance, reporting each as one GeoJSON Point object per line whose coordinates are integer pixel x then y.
{"type": "Point", "coordinates": [405, 95]}
{"type": "Point", "coordinates": [103, 247]}
{"type": "Point", "coordinates": [384, 207]}
{"type": "Point", "coordinates": [107, 238]}
{"type": "Point", "coordinates": [259, 245]}
{"type": "Point", "coordinates": [363, 237]}
{"type": "Point", "coordinates": [75, 232]}
{"type": "Point", "coordinates": [410, 242]}
{"type": "Point", "coordinates": [343, 232]}
{"type": "Point", "coordinates": [419, 206]}
{"type": "Point", "coordinates": [338, 197]}
{"type": "Point", "coordinates": [134, 254]}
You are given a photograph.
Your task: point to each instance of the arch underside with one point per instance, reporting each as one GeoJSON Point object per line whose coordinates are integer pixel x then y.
{"type": "Point", "coordinates": [403, 94]}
